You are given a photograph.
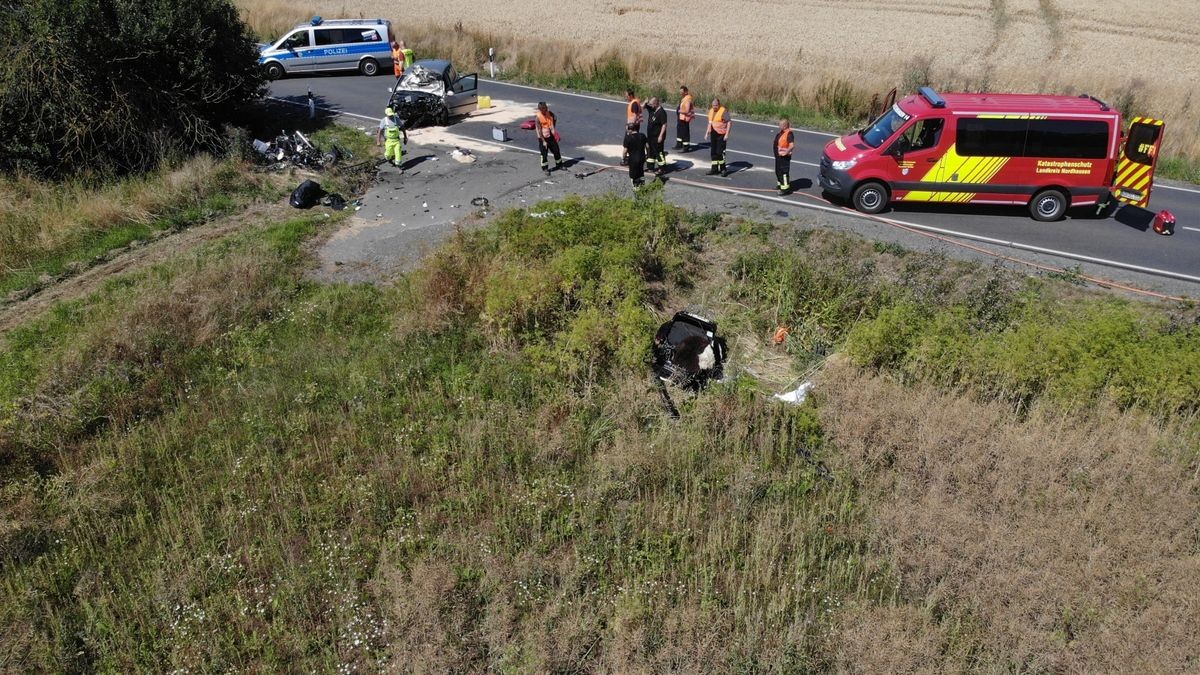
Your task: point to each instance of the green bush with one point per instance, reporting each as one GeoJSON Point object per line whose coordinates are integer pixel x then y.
{"type": "Point", "coordinates": [88, 85]}
{"type": "Point", "coordinates": [1073, 354]}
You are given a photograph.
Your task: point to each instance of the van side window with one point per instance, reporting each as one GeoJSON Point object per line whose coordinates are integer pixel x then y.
{"type": "Point", "coordinates": [297, 39]}
{"type": "Point", "coordinates": [328, 36]}
{"type": "Point", "coordinates": [1074, 139]}
{"type": "Point", "coordinates": [984, 137]}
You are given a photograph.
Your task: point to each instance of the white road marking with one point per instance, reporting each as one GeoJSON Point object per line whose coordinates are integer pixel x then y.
{"type": "Point", "coordinates": [619, 102]}
{"type": "Point", "coordinates": [1180, 189]}
{"type": "Point", "coordinates": [1193, 229]}
{"type": "Point", "coordinates": [847, 212]}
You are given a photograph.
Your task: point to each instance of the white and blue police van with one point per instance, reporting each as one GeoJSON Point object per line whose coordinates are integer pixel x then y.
{"type": "Point", "coordinates": [328, 45]}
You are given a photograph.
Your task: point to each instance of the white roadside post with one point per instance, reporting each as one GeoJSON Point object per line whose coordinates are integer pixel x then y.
{"type": "Point", "coordinates": [492, 61]}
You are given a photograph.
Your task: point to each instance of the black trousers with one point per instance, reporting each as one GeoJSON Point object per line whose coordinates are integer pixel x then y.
{"type": "Point", "coordinates": [549, 145]}
{"type": "Point", "coordinates": [683, 132]}
{"type": "Point", "coordinates": [637, 168]}
{"type": "Point", "coordinates": [783, 171]}
{"type": "Point", "coordinates": [716, 150]}
{"type": "Point", "coordinates": [658, 155]}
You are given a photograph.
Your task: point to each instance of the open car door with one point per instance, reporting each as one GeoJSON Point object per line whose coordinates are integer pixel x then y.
{"type": "Point", "coordinates": [1139, 156]}
{"type": "Point", "coordinates": [463, 96]}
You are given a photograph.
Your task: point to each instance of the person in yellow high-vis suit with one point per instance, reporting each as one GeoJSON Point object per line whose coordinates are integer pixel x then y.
{"type": "Point", "coordinates": [393, 136]}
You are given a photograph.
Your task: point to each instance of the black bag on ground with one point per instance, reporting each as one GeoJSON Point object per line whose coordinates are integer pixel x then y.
{"type": "Point", "coordinates": [306, 195]}
{"type": "Point", "coordinates": [688, 351]}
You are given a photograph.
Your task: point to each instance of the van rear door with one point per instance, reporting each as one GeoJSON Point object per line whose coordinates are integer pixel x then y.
{"type": "Point", "coordinates": [1139, 157]}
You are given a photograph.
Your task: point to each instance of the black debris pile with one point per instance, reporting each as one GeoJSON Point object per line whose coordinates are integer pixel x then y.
{"type": "Point", "coordinates": [295, 150]}
{"type": "Point", "coordinates": [688, 352]}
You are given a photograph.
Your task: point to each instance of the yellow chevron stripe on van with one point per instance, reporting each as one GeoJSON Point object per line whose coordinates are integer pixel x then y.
{"type": "Point", "coordinates": [954, 168]}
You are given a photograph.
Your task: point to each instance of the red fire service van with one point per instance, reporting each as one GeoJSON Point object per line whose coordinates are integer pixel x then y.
{"type": "Point", "coordinates": [1045, 152]}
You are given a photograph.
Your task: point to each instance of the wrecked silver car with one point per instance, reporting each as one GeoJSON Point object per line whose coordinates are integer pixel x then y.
{"type": "Point", "coordinates": [431, 92]}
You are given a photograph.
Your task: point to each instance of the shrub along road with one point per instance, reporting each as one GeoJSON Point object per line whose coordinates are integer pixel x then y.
{"type": "Point", "coordinates": [591, 128]}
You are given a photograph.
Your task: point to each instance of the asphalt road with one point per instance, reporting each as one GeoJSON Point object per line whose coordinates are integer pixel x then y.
{"type": "Point", "coordinates": [591, 127]}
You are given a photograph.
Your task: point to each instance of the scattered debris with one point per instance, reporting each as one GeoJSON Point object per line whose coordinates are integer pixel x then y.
{"type": "Point", "coordinates": [334, 201]}
{"type": "Point", "coordinates": [306, 195]}
{"type": "Point", "coordinates": [462, 155]}
{"type": "Point", "coordinates": [547, 214]}
{"type": "Point", "coordinates": [797, 395]}
{"type": "Point", "coordinates": [688, 351]}
{"type": "Point", "coordinates": [481, 202]}
{"type": "Point", "coordinates": [780, 335]}
{"type": "Point", "coordinates": [295, 149]}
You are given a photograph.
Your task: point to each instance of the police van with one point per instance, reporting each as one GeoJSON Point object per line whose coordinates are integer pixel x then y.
{"type": "Point", "coordinates": [337, 44]}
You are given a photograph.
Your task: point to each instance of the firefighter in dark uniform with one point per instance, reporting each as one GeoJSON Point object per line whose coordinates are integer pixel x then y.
{"type": "Point", "coordinates": [656, 136]}
{"type": "Point", "coordinates": [785, 142]}
{"type": "Point", "coordinates": [635, 151]}
{"type": "Point", "coordinates": [717, 134]}
{"type": "Point", "coordinates": [683, 128]}
{"type": "Point", "coordinates": [633, 115]}
{"type": "Point", "coordinates": [546, 126]}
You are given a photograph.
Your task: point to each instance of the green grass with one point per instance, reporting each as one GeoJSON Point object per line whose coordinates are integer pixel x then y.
{"type": "Point", "coordinates": [217, 463]}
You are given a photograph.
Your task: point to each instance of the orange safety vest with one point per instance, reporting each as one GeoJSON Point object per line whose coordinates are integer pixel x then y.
{"type": "Point", "coordinates": [544, 123]}
{"type": "Point", "coordinates": [630, 116]}
{"type": "Point", "coordinates": [716, 120]}
{"type": "Point", "coordinates": [687, 111]}
{"type": "Point", "coordinates": [784, 144]}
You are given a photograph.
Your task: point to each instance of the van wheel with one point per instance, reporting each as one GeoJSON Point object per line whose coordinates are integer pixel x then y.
{"type": "Point", "coordinates": [870, 197]}
{"type": "Point", "coordinates": [369, 67]}
{"type": "Point", "coordinates": [1048, 205]}
{"type": "Point", "coordinates": [274, 71]}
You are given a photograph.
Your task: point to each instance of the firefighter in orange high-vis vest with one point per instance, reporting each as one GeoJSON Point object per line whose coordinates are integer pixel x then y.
{"type": "Point", "coordinates": [717, 135]}
{"type": "Point", "coordinates": [785, 142]}
{"type": "Point", "coordinates": [683, 127]}
{"type": "Point", "coordinates": [547, 134]}
{"type": "Point", "coordinates": [633, 115]}
{"type": "Point", "coordinates": [397, 59]}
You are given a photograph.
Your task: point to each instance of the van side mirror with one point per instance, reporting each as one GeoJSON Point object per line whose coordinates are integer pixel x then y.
{"type": "Point", "coordinates": [895, 151]}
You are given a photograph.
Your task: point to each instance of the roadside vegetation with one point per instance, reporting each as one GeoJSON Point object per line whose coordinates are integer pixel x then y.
{"type": "Point", "coordinates": [219, 463]}
{"type": "Point", "coordinates": [51, 230]}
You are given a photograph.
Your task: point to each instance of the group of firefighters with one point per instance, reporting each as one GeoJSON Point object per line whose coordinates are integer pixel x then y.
{"type": "Point", "coordinates": [647, 151]}
{"type": "Point", "coordinates": [642, 151]}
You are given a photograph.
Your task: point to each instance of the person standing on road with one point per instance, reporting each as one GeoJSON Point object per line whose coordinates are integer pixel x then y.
{"type": "Point", "coordinates": [408, 54]}
{"type": "Point", "coordinates": [397, 59]}
{"type": "Point", "coordinates": [656, 136]}
{"type": "Point", "coordinates": [633, 115]}
{"type": "Point", "coordinates": [785, 142]}
{"type": "Point", "coordinates": [683, 127]}
{"type": "Point", "coordinates": [546, 127]}
{"type": "Point", "coordinates": [391, 132]}
{"type": "Point", "coordinates": [635, 152]}
{"type": "Point", "coordinates": [719, 123]}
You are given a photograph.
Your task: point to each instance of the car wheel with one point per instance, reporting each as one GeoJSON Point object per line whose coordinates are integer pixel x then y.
{"type": "Point", "coordinates": [274, 71]}
{"type": "Point", "coordinates": [1048, 205]}
{"type": "Point", "coordinates": [369, 67]}
{"type": "Point", "coordinates": [870, 197]}
{"type": "Point", "coordinates": [443, 117]}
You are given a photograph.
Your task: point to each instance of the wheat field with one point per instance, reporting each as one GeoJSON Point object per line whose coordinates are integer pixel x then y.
{"type": "Point", "coordinates": [1143, 58]}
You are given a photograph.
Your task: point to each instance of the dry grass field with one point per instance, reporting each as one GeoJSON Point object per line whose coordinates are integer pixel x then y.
{"type": "Point", "coordinates": [1143, 58]}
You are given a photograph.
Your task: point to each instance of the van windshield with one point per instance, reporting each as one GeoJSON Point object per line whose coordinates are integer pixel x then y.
{"type": "Point", "coordinates": [884, 127]}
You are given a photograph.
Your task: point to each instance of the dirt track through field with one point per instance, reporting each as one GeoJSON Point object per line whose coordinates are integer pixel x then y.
{"type": "Point", "coordinates": [137, 258]}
